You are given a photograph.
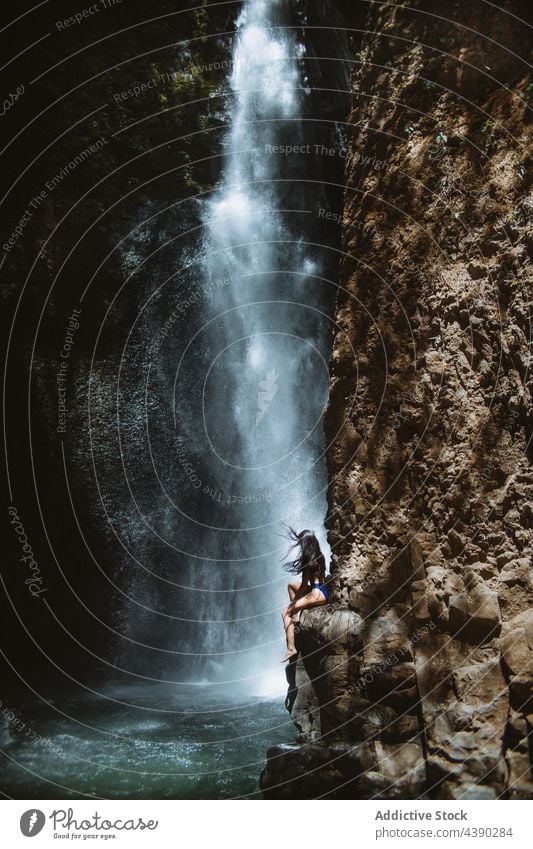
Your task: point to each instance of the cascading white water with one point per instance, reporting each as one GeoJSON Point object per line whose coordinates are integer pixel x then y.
{"type": "Point", "coordinates": [262, 353]}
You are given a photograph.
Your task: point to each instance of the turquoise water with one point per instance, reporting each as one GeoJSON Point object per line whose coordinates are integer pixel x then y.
{"type": "Point", "coordinates": [166, 746]}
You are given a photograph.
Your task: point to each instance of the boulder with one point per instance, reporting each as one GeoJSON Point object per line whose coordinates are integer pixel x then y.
{"type": "Point", "coordinates": [475, 616]}
{"type": "Point", "coordinates": [516, 645]}
{"type": "Point", "coordinates": [302, 702]}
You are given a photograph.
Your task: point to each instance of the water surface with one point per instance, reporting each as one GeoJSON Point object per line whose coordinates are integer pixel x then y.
{"type": "Point", "coordinates": [167, 746]}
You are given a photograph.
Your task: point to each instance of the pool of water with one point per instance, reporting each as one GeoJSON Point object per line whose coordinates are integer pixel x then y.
{"type": "Point", "coordinates": [141, 743]}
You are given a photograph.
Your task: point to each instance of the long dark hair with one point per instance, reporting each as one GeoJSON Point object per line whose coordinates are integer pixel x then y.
{"type": "Point", "coordinates": [309, 558]}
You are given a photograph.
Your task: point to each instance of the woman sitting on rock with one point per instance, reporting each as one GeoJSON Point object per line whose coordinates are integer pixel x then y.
{"type": "Point", "coordinates": [311, 590]}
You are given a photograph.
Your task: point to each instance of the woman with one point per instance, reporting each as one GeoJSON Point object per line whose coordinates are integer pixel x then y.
{"type": "Point", "coordinates": [311, 590]}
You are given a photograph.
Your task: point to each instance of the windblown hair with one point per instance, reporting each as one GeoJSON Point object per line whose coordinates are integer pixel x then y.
{"type": "Point", "coordinates": [309, 557]}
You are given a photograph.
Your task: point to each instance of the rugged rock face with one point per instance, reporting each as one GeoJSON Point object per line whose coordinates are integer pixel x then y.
{"type": "Point", "coordinates": [422, 670]}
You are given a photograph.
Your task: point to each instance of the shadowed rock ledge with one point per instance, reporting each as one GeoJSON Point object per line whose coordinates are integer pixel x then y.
{"type": "Point", "coordinates": [417, 681]}
{"type": "Point", "coordinates": [335, 697]}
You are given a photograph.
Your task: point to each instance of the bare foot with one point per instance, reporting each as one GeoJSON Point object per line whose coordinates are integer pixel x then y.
{"type": "Point", "coordinates": [288, 654]}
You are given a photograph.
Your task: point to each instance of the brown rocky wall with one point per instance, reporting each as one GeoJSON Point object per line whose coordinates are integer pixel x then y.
{"type": "Point", "coordinates": [423, 667]}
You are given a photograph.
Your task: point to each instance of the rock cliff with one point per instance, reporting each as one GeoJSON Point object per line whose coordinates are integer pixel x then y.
{"type": "Point", "coordinates": [417, 681]}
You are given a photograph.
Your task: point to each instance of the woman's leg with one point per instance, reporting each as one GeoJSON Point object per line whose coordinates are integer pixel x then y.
{"type": "Point", "coordinates": [288, 624]}
{"type": "Point", "coordinates": [293, 587]}
{"type": "Point", "coordinates": [312, 599]}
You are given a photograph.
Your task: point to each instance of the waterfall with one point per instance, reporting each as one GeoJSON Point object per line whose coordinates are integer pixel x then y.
{"type": "Point", "coordinates": [263, 353]}
{"type": "Point", "coordinates": [222, 406]}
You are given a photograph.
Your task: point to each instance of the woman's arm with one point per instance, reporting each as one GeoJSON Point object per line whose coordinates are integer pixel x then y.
{"type": "Point", "coordinates": [305, 586]}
